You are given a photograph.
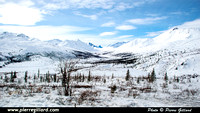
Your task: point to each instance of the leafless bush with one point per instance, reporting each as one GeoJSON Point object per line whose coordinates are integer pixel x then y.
{"type": "Point", "coordinates": [135, 94]}
{"type": "Point", "coordinates": [188, 92]}
{"type": "Point", "coordinates": [175, 86]}
{"type": "Point", "coordinates": [147, 89]}
{"type": "Point", "coordinates": [88, 95]}
{"type": "Point", "coordinates": [47, 91]}
{"type": "Point", "coordinates": [164, 85]}
{"type": "Point", "coordinates": [122, 88]}
{"type": "Point", "coordinates": [113, 88]}
{"type": "Point", "coordinates": [82, 86]}
{"type": "Point", "coordinates": [39, 90]}
{"type": "Point", "coordinates": [60, 92]}
{"type": "Point", "coordinates": [66, 68]}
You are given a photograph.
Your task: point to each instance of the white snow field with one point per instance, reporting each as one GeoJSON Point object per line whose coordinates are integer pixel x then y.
{"type": "Point", "coordinates": [101, 80]}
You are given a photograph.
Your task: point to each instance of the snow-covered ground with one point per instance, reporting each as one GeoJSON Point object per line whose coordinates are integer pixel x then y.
{"type": "Point", "coordinates": [131, 93]}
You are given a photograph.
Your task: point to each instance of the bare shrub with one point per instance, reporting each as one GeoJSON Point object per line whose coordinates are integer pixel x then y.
{"type": "Point", "coordinates": [88, 95]}
{"type": "Point", "coordinates": [188, 92]}
{"type": "Point", "coordinates": [59, 91]}
{"type": "Point", "coordinates": [164, 85]}
{"type": "Point", "coordinates": [135, 94]}
{"type": "Point", "coordinates": [113, 88]}
{"type": "Point", "coordinates": [39, 90]}
{"type": "Point", "coordinates": [122, 89]}
{"type": "Point", "coordinates": [175, 86]}
{"type": "Point", "coordinates": [47, 91]}
{"type": "Point", "coordinates": [82, 86]}
{"type": "Point", "coordinates": [147, 89]}
{"type": "Point", "coordinates": [66, 68]}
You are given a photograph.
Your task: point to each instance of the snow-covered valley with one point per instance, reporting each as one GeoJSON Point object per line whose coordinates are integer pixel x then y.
{"type": "Point", "coordinates": [162, 71]}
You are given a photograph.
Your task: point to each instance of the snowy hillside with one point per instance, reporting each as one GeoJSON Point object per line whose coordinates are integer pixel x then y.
{"type": "Point", "coordinates": [186, 36]}
{"type": "Point", "coordinates": [176, 51]}
{"type": "Point", "coordinates": [19, 47]}
{"type": "Point", "coordinates": [71, 44]}
{"type": "Point", "coordinates": [116, 45]}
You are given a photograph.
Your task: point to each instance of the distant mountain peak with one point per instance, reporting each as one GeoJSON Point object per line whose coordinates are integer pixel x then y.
{"type": "Point", "coordinates": [95, 46]}
{"type": "Point", "coordinates": [118, 44]}
{"type": "Point", "coordinates": [13, 35]}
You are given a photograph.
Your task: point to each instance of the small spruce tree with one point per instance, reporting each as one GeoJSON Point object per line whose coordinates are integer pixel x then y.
{"type": "Point", "coordinates": [127, 75]}
{"type": "Point", "coordinates": [11, 77]}
{"type": "Point", "coordinates": [34, 78]}
{"type": "Point", "coordinates": [166, 77]}
{"type": "Point", "coordinates": [89, 76]}
{"type": "Point", "coordinates": [104, 81]}
{"type": "Point", "coordinates": [6, 79]}
{"type": "Point", "coordinates": [38, 73]}
{"type": "Point", "coordinates": [41, 79]}
{"type": "Point", "coordinates": [152, 76]}
{"type": "Point", "coordinates": [112, 76]}
{"type": "Point", "coordinates": [83, 78]}
{"type": "Point", "coordinates": [138, 80]}
{"type": "Point", "coordinates": [26, 76]}
{"type": "Point", "coordinates": [54, 77]}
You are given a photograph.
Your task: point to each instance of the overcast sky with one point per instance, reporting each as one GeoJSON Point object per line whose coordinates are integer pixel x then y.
{"type": "Point", "coordinates": [97, 21]}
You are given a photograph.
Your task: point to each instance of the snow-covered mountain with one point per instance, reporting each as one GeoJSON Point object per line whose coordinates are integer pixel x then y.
{"type": "Point", "coordinates": [176, 51]}
{"type": "Point", "coordinates": [71, 44]}
{"type": "Point", "coordinates": [179, 37]}
{"type": "Point", "coordinates": [19, 47]}
{"type": "Point", "coordinates": [116, 45]}
{"type": "Point", "coordinates": [95, 46]}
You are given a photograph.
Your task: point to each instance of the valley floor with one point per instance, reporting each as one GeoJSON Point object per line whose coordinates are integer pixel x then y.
{"type": "Point", "coordinates": [107, 87]}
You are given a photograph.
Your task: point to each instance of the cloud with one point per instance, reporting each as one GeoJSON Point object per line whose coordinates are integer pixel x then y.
{"type": "Point", "coordinates": [21, 13]}
{"type": "Point", "coordinates": [46, 32]}
{"type": "Point", "coordinates": [92, 17]}
{"type": "Point", "coordinates": [125, 27]}
{"type": "Point", "coordinates": [78, 4]}
{"type": "Point", "coordinates": [30, 12]}
{"type": "Point", "coordinates": [121, 7]}
{"type": "Point", "coordinates": [179, 13]}
{"type": "Point", "coordinates": [124, 36]}
{"type": "Point", "coordinates": [107, 33]}
{"type": "Point", "coordinates": [144, 21]}
{"type": "Point", "coordinates": [108, 24]}
{"type": "Point", "coordinates": [109, 5]}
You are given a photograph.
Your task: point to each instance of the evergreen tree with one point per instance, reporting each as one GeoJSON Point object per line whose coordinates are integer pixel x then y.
{"type": "Point", "coordinates": [152, 76]}
{"type": "Point", "coordinates": [41, 79]}
{"type": "Point", "coordinates": [112, 76]}
{"type": "Point", "coordinates": [15, 74]}
{"type": "Point", "coordinates": [104, 81]}
{"type": "Point", "coordinates": [6, 79]}
{"type": "Point", "coordinates": [48, 77]}
{"type": "Point", "coordinates": [34, 77]}
{"type": "Point", "coordinates": [54, 77]}
{"type": "Point", "coordinates": [11, 77]}
{"type": "Point", "coordinates": [138, 80]}
{"type": "Point", "coordinates": [38, 73]}
{"type": "Point", "coordinates": [26, 76]}
{"type": "Point", "coordinates": [166, 77]}
{"type": "Point", "coordinates": [89, 76]}
{"type": "Point", "coordinates": [83, 78]}
{"type": "Point", "coordinates": [127, 75]}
